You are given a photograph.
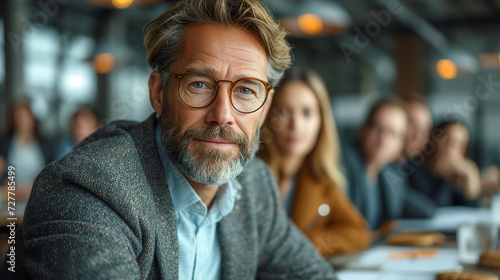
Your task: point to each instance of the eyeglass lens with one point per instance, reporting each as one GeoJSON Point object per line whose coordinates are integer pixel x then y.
{"type": "Point", "coordinates": [199, 90]}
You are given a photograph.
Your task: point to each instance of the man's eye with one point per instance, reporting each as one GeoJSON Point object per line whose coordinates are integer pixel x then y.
{"type": "Point", "coordinates": [245, 90]}
{"type": "Point", "coordinates": [198, 84]}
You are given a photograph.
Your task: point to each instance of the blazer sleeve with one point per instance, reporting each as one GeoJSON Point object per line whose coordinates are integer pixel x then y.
{"type": "Point", "coordinates": [69, 233]}
{"type": "Point", "coordinates": [345, 230]}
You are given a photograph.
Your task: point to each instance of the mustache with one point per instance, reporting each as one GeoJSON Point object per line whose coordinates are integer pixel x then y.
{"type": "Point", "coordinates": [216, 131]}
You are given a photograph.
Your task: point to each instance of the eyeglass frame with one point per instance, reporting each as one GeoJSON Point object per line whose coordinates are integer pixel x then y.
{"type": "Point", "coordinates": [179, 78]}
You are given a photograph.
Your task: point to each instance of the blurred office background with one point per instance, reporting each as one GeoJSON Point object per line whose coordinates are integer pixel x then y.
{"type": "Point", "coordinates": [64, 54]}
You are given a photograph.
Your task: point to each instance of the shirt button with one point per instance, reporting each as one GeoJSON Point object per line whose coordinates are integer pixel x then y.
{"type": "Point", "coordinates": [197, 207]}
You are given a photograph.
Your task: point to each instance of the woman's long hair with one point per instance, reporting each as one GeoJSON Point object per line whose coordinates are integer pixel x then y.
{"type": "Point", "coordinates": [324, 161]}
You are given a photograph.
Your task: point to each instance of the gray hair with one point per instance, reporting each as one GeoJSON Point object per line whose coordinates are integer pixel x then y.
{"type": "Point", "coordinates": [162, 36]}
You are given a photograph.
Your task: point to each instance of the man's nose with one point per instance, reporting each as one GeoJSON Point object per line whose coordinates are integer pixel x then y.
{"type": "Point", "coordinates": [221, 110]}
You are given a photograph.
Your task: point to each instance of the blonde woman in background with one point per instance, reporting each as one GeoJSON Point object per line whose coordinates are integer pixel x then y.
{"type": "Point", "coordinates": [301, 146]}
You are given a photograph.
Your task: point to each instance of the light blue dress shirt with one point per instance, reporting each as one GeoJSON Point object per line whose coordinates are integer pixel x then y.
{"type": "Point", "coordinates": [199, 248]}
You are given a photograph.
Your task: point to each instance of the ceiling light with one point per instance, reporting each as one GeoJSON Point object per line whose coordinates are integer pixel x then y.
{"type": "Point", "coordinates": [455, 63]}
{"type": "Point", "coordinates": [314, 18]}
{"type": "Point", "coordinates": [104, 63]}
{"type": "Point", "coordinates": [121, 4]}
{"type": "Point", "coordinates": [446, 69]}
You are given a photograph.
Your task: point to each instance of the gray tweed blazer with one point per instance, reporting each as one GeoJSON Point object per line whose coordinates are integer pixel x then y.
{"type": "Point", "coordinates": [104, 212]}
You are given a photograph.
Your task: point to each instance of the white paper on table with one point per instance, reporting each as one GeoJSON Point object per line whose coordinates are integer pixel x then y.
{"type": "Point", "coordinates": [378, 259]}
{"type": "Point", "coordinates": [451, 217]}
{"type": "Point", "coordinates": [379, 275]}
{"type": "Point", "coordinates": [357, 275]}
{"type": "Point", "coordinates": [371, 259]}
{"type": "Point", "coordinates": [446, 219]}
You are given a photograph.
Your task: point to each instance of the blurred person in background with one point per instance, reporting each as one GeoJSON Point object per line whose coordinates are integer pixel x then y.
{"type": "Point", "coordinates": [83, 123]}
{"type": "Point", "coordinates": [417, 136]}
{"type": "Point", "coordinates": [376, 187]}
{"type": "Point", "coordinates": [447, 176]}
{"type": "Point", "coordinates": [24, 148]}
{"type": "Point", "coordinates": [301, 146]}
{"type": "Point", "coordinates": [419, 125]}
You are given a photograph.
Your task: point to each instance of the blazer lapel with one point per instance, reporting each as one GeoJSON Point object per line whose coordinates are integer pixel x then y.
{"type": "Point", "coordinates": [167, 247]}
{"type": "Point", "coordinates": [238, 240]}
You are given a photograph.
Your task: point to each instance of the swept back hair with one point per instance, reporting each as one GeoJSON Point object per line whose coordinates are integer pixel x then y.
{"type": "Point", "coordinates": [163, 36]}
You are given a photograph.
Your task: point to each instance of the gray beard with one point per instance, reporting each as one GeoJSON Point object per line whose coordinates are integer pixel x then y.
{"type": "Point", "coordinates": [204, 165]}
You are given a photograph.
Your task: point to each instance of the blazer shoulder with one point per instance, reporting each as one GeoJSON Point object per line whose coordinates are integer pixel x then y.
{"type": "Point", "coordinates": [109, 144]}
{"type": "Point", "coordinates": [110, 131]}
{"type": "Point", "coordinates": [106, 165]}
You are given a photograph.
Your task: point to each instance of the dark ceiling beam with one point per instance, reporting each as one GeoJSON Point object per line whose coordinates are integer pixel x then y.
{"type": "Point", "coordinates": [472, 8]}
{"type": "Point", "coordinates": [420, 25]}
{"type": "Point", "coordinates": [470, 21]}
{"type": "Point", "coordinates": [493, 5]}
{"type": "Point", "coordinates": [463, 6]}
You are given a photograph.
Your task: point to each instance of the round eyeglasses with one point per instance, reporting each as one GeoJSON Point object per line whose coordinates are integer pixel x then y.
{"type": "Point", "coordinates": [199, 90]}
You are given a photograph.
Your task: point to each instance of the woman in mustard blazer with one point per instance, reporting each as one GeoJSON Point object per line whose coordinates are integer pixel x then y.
{"type": "Point", "coordinates": [301, 146]}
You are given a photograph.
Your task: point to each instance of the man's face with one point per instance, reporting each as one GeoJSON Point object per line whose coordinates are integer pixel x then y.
{"type": "Point", "coordinates": [211, 145]}
{"type": "Point", "coordinates": [383, 138]}
{"type": "Point", "coordinates": [419, 128]}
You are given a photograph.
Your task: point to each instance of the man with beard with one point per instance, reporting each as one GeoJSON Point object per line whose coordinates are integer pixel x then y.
{"type": "Point", "coordinates": [178, 196]}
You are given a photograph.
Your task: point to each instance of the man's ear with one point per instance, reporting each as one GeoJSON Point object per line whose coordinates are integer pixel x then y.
{"type": "Point", "coordinates": [156, 94]}
{"type": "Point", "coordinates": [266, 107]}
